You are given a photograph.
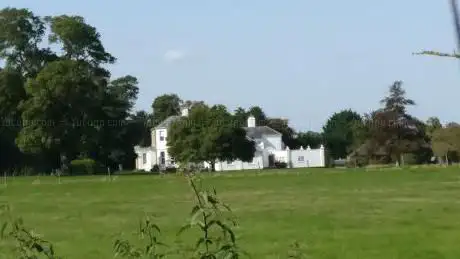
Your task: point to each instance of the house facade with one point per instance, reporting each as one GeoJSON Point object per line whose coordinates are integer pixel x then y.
{"type": "Point", "coordinates": [269, 150]}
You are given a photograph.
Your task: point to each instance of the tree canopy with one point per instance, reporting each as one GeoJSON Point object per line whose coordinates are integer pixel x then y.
{"type": "Point", "coordinates": [65, 103]}
{"type": "Point", "coordinates": [206, 135]}
{"type": "Point", "coordinates": [59, 102]}
{"type": "Point", "coordinates": [339, 132]}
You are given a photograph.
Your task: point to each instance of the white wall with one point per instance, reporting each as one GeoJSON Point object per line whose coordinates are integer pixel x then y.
{"type": "Point", "coordinates": [168, 158]}
{"type": "Point", "coordinates": [274, 141]}
{"type": "Point", "coordinates": [150, 158]}
{"type": "Point", "coordinates": [161, 144]}
{"type": "Point", "coordinates": [281, 155]}
{"type": "Point", "coordinates": [153, 138]}
{"type": "Point", "coordinates": [257, 163]}
{"type": "Point", "coordinates": [307, 158]}
{"type": "Point", "coordinates": [301, 157]}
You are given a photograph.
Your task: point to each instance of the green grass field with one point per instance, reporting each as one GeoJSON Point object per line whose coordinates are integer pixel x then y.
{"type": "Point", "coordinates": [334, 213]}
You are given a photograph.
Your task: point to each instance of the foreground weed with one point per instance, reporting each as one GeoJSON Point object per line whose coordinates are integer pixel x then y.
{"type": "Point", "coordinates": [296, 252]}
{"type": "Point", "coordinates": [29, 245]}
{"type": "Point", "coordinates": [211, 217]}
{"type": "Point", "coordinates": [148, 233]}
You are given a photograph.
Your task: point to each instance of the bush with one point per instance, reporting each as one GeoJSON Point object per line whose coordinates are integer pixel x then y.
{"type": "Point", "coordinates": [170, 170]}
{"type": "Point", "coordinates": [280, 165]}
{"type": "Point", "coordinates": [85, 166]}
{"type": "Point", "coordinates": [155, 169]}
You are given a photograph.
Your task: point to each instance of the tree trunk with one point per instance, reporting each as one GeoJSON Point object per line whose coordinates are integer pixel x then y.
{"type": "Point", "coordinates": [213, 166]}
{"type": "Point", "coordinates": [447, 160]}
{"type": "Point", "coordinates": [402, 159]}
{"type": "Point", "coordinates": [63, 161]}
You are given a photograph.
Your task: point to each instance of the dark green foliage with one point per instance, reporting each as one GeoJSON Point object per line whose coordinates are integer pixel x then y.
{"type": "Point", "coordinates": [79, 40]}
{"type": "Point", "coordinates": [62, 105]}
{"type": "Point", "coordinates": [280, 164]}
{"type": "Point", "coordinates": [393, 133]}
{"type": "Point", "coordinates": [310, 138]}
{"type": "Point", "coordinates": [164, 106]}
{"type": "Point", "coordinates": [155, 169]}
{"type": "Point", "coordinates": [170, 170]}
{"type": "Point", "coordinates": [288, 134]}
{"type": "Point", "coordinates": [339, 134]}
{"type": "Point", "coordinates": [207, 135]}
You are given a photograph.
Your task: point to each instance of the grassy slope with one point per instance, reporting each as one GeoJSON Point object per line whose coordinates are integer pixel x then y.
{"type": "Point", "coordinates": [357, 214]}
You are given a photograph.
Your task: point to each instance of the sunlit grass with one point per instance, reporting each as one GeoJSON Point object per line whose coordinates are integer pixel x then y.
{"type": "Point", "coordinates": [335, 213]}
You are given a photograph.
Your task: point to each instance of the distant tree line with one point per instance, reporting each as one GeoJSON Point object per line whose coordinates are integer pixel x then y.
{"type": "Point", "coordinates": [60, 106]}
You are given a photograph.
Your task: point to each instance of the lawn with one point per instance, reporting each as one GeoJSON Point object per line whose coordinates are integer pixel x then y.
{"type": "Point", "coordinates": [334, 213]}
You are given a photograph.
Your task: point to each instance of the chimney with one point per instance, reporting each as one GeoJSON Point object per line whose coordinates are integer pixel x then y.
{"type": "Point", "coordinates": [184, 111]}
{"type": "Point", "coordinates": [251, 122]}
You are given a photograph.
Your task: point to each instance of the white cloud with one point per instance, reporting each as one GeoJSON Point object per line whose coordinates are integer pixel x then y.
{"type": "Point", "coordinates": [173, 55]}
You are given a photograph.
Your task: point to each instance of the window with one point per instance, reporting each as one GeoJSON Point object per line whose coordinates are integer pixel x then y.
{"type": "Point", "coordinates": [162, 136]}
{"type": "Point", "coordinates": [144, 158]}
{"type": "Point", "coordinates": [301, 159]}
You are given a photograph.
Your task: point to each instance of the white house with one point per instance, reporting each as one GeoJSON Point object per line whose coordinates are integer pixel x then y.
{"type": "Point", "coordinates": [269, 149]}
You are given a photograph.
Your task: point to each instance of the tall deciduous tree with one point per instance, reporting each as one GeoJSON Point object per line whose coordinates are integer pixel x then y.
{"type": "Point", "coordinates": [12, 93]}
{"type": "Point", "coordinates": [141, 124]}
{"type": "Point", "coordinates": [282, 126]}
{"type": "Point", "coordinates": [78, 40]}
{"type": "Point", "coordinates": [208, 135]}
{"type": "Point", "coordinates": [339, 132]}
{"type": "Point", "coordinates": [58, 120]}
{"type": "Point", "coordinates": [259, 115]}
{"type": "Point", "coordinates": [21, 33]}
{"type": "Point", "coordinates": [118, 133]}
{"type": "Point", "coordinates": [164, 106]}
{"type": "Point", "coordinates": [310, 138]}
{"type": "Point", "coordinates": [240, 115]}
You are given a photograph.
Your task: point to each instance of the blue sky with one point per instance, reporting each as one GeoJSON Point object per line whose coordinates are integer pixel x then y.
{"type": "Point", "coordinates": [298, 59]}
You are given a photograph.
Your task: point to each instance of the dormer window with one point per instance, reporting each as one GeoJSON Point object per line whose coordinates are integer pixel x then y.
{"type": "Point", "coordinates": [162, 136]}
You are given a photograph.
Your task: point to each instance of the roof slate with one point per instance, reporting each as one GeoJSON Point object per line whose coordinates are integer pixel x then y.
{"type": "Point", "coordinates": [251, 132]}
{"type": "Point", "coordinates": [258, 131]}
{"type": "Point", "coordinates": [167, 122]}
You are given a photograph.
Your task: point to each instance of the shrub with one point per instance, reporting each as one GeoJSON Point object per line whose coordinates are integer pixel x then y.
{"type": "Point", "coordinates": [85, 166]}
{"type": "Point", "coordinates": [155, 169]}
{"type": "Point", "coordinates": [280, 165]}
{"type": "Point", "coordinates": [170, 170]}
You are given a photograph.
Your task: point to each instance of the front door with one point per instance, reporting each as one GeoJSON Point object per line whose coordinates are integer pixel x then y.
{"type": "Point", "coordinates": [271, 160]}
{"type": "Point", "coordinates": [162, 158]}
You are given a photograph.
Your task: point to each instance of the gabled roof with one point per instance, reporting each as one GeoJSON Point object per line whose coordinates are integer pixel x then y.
{"type": "Point", "coordinates": [257, 132]}
{"type": "Point", "coordinates": [251, 132]}
{"type": "Point", "coordinates": [166, 123]}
